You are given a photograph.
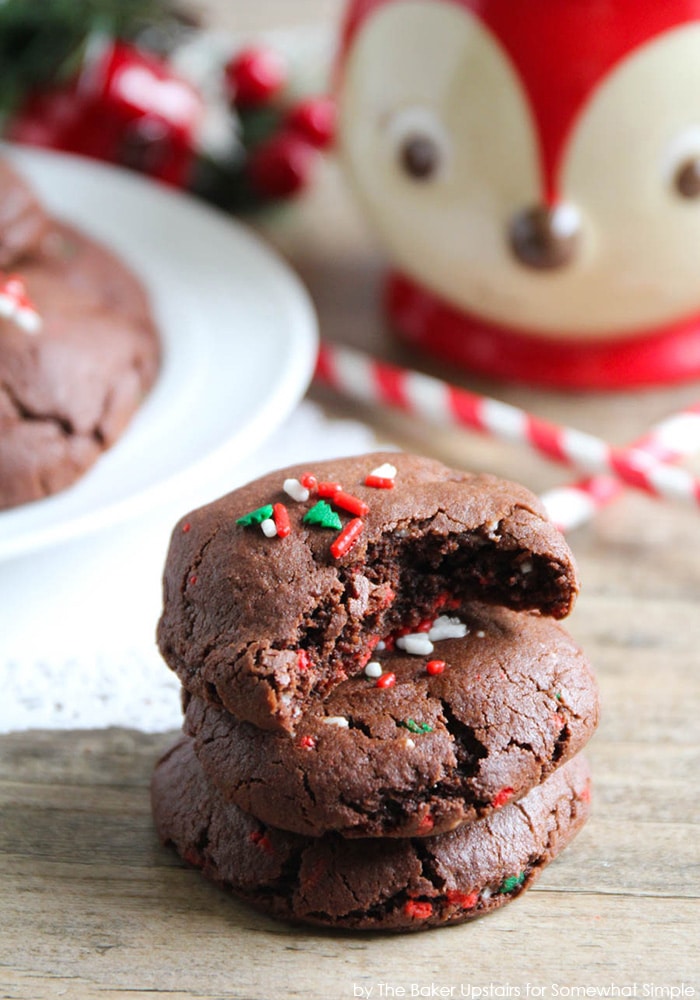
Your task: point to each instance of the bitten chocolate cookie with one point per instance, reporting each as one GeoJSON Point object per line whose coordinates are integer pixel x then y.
{"type": "Point", "coordinates": [437, 740]}
{"type": "Point", "coordinates": [361, 547]}
{"type": "Point", "coordinates": [389, 885]}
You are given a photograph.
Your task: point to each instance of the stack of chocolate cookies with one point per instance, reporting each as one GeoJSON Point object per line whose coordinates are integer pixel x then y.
{"type": "Point", "coordinates": [382, 717]}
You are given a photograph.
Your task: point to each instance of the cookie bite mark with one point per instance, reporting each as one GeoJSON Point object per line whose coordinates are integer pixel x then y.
{"type": "Point", "coordinates": [455, 745]}
{"type": "Point", "coordinates": [359, 564]}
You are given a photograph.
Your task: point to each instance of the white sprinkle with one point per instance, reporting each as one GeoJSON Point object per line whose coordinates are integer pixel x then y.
{"type": "Point", "coordinates": [385, 471]}
{"type": "Point", "coordinates": [417, 644]}
{"type": "Point", "coordinates": [294, 489]}
{"type": "Point", "coordinates": [29, 320]}
{"type": "Point", "coordinates": [337, 720]}
{"type": "Point", "coordinates": [492, 529]}
{"type": "Point", "coordinates": [481, 634]}
{"type": "Point", "coordinates": [374, 669]}
{"type": "Point", "coordinates": [447, 628]}
{"type": "Point", "coordinates": [381, 645]}
{"type": "Point", "coordinates": [268, 528]}
{"type": "Point", "coordinates": [486, 893]}
{"type": "Point", "coordinates": [408, 743]}
{"type": "Point", "coordinates": [526, 567]}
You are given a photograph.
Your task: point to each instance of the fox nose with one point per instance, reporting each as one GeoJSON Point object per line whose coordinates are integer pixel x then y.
{"type": "Point", "coordinates": [545, 238]}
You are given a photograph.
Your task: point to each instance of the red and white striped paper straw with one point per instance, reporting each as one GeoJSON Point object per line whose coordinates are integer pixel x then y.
{"type": "Point", "coordinates": [671, 440]}
{"type": "Point", "coordinates": [362, 377]}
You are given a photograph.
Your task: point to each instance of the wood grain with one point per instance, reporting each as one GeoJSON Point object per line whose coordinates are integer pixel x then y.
{"type": "Point", "coordinates": [92, 906]}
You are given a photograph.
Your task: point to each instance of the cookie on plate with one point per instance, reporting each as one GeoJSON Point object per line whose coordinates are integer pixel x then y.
{"type": "Point", "coordinates": [68, 392]}
{"type": "Point", "coordinates": [78, 349]}
{"type": "Point", "coordinates": [279, 591]}
{"type": "Point", "coordinates": [23, 221]}
{"type": "Point", "coordinates": [381, 885]}
{"type": "Point", "coordinates": [436, 740]}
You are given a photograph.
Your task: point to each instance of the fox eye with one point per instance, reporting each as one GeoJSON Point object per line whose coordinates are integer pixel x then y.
{"type": "Point", "coordinates": [420, 157]}
{"type": "Point", "coordinates": [687, 178]}
{"type": "Point", "coordinates": [420, 143]}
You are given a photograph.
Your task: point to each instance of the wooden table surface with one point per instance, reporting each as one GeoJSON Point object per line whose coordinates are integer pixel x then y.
{"type": "Point", "coordinates": [92, 906]}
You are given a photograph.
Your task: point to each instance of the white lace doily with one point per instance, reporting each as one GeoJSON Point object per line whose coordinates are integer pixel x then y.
{"type": "Point", "coordinates": [78, 648]}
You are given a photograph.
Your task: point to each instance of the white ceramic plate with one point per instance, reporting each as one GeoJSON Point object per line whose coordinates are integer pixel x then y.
{"type": "Point", "coordinates": [239, 343]}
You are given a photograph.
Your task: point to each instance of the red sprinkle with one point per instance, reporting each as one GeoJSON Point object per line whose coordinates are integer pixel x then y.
{"type": "Point", "coordinates": [419, 910]}
{"type": "Point", "coordinates": [193, 579]}
{"type": "Point", "coordinates": [281, 519]}
{"type": "Point", "coordinates": [585, 795]}
{"type": "Point", "coordinates": [379, 483]}
{"type": "Point", "coordinates": [346, 501]}
{"type": "Point", "coordinates": [309, 481]}
{"type": "Point", "coordinates": [500, 798]}
{"type": "Point", "coordinates": [386, 681]}
{"type": "Point", "coordinates": [426, 824]}
{"type": "Point", "coordinates": [347, 537]}
{"type": "Point", "coordinates": [307, 743]}
{"type": "Point", "coordinates": [303, 659]}
{"type": "Point", "coordinates": [262, 841]}
{"type": "Point", "coordinates": [328, 490]}
{"type": "Point", "coordinates": [424, 626]}
{"type": "Point", "coordinates": [435, 667]}
{"type": "Point", "coordinates": [186, 527]}
{"type": "Point", "coordinates": [466, 900]}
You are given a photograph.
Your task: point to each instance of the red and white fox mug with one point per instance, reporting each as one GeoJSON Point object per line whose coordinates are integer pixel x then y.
{"type": "Point", "coordinates": [533, 167]}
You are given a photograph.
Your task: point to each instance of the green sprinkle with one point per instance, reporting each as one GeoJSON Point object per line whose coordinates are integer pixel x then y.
{"type": "Point", "coordinates": [557, 695]}
{"type": "Point", "coordinates": [255, 516]}
{"type": "Point", "coordinates": [416, 727]}
{"type": "Point", "coordinates": [322, 515]}
{"type": "Point", "coordinates": [511, 883]}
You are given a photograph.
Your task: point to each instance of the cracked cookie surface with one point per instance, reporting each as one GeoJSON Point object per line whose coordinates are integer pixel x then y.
{"type": "Point", "coordinates": [68, 392]}
{"type": "Point", "coordinates": [503, 707]}
{"type": "Point", "coordinates": [267, 626]}
{"type": "Point", "coordinates": [379, 884]}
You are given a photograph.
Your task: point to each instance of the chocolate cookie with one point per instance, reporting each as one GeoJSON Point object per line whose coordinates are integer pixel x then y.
{"type": "Point", "coordinates": [267, 625]}
{"type": "Point", "coordinates": [93, 271]}
{"type": "Point", "coordinates": [69, 382]}
{"type": "Point", "coordinates": [456, 734]}
{"type": "Point", "coordinates": [389, 885]}
{"type": "Point", "coordinates": [67, 392]}
{"type": "Point", "coordinates": [23, 222]}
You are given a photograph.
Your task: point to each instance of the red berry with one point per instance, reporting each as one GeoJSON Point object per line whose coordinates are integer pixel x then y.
{"type": "Point", "coordinates": [315, 120]}
{"type": "Point", "coordinates": [282, 166]}
{"type": "Point", "coordinates": [254, 76]}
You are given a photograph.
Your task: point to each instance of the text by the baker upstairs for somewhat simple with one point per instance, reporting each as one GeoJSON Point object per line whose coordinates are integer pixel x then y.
{"type": "Point", "coordinates": [528, 991]}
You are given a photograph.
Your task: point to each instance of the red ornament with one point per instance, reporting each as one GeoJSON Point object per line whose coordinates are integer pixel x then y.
{"type": "Point", "coordinates": [126, 107]}
{"type": "Point", "coordinates": [282, 166]}
{"type": "Point", "coordinates": [254, 76]}
{"type": "Point", "coordinates": [315, 119]}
